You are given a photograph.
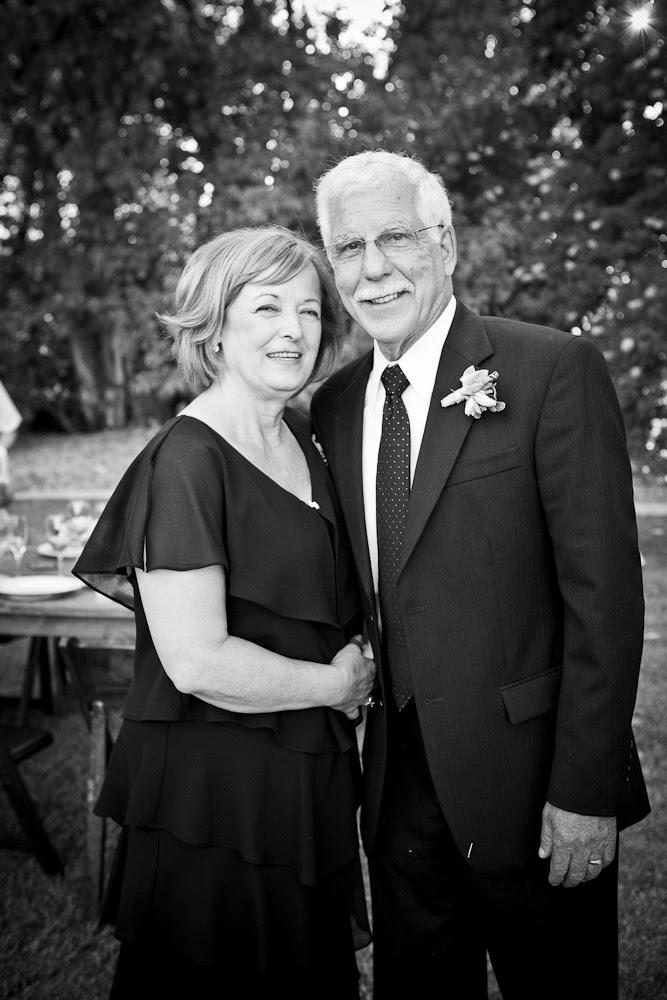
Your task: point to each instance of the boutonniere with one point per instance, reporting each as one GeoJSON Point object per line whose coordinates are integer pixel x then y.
{"type": "Point", "coordinates": [319, 448]}
{"type": "Point", "coordinates": [478, 390]}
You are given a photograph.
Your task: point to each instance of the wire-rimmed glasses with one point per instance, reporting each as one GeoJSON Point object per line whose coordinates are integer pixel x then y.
{"type": "Point", "coordinates": [391, 243]}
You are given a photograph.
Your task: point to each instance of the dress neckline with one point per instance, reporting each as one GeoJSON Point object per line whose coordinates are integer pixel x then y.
{"type": "Point", "coordinates": [312, 504]}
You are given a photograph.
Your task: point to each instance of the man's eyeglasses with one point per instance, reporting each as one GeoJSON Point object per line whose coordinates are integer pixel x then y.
{"type": "Point", "coordinates": [393, 243]}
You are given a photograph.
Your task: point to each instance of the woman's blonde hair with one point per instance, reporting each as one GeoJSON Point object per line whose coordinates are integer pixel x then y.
{"type": "Point", "coordinates": [212, 279]}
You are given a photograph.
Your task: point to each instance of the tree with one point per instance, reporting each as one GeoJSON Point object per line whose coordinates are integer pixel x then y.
{"type": "Point", "coordinates": [600, 228]}
{"type": "Point", "coordinates": [89, 204]}
{"type": "Point", "coordinates": [128, 134]}
{"type": "Point", "coordinates": [547, 123]}
{"type": "Point", "coordinates": [131, 132]}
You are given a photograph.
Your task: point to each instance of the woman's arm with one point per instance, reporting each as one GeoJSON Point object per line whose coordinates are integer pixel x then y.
{"type": "Point", "coordinates": [186, 615]}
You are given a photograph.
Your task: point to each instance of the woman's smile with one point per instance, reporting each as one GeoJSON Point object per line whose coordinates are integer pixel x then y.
{"type": "Point", "coordinates": [271, 335]}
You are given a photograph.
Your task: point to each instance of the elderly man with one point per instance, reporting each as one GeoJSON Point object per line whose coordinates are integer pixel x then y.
{"type": "Point", "coordinates": [483, 473]}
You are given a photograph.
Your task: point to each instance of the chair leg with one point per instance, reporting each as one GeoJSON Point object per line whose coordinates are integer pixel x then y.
{"type": "Point", "coordinates": [96, 825]}
{"type": "Point", "coordinates": [27, 815]}
{"type": "Point", "coordinates": [34, 659]}
{"type": "Point", "coordinates": [69, 664]}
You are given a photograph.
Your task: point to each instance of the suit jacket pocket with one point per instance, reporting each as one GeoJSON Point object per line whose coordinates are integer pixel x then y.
{"type": "Point", "coordinates": [533, 696]}
{"type": "Point", "coordinates": [485, 465]}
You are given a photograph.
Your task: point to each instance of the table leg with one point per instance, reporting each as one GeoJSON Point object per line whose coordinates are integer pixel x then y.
{"type": "Point", "coordinates": [39, 662]}
{"type": "Point", "coordinates": [68, 674]}
{"type": "Point", "coordinates": [48, 679]}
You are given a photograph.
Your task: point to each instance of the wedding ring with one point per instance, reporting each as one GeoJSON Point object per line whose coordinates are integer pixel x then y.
{"type": "Point", "coordinates": [370, 701]}
{"type": "Point", "coordinates": [594, 862]}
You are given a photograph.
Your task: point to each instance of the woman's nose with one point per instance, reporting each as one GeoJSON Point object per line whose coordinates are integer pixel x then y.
{"type": "Point", "coordinates": [291, 324]}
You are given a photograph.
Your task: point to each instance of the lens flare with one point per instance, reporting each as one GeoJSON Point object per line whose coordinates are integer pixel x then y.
{"type": "Point", "coordinates": [640, 19]}
{"type": "Point", "coordinates": [641, 23]}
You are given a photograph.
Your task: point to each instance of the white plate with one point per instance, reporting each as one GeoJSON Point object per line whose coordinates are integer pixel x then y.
{"type": "Point", "coordinates": [38, 588]}
{"type": "Point", "coordinates": [71, 552]}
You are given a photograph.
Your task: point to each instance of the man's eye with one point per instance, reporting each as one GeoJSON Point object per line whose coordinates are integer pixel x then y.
{"type": "Point", "coordinates": [350, 247]}
{"type": "Point", "coordinates": [396, 236]}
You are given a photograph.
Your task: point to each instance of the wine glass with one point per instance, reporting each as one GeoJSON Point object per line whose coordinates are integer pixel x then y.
{"type": "Point", "coordinates": [16, 539]}
{"type": "Point", "coordinates": [5, 517]}
{"type": "Point", "coordinates": [57, 533]}
{"type": "Point", "coordinates": [78, 508]}
{"type": "Point", "coordinates": [80, 522]}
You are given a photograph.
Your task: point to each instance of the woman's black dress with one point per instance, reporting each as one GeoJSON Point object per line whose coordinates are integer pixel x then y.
{"type": "Point", "coordinates": [238, 860]}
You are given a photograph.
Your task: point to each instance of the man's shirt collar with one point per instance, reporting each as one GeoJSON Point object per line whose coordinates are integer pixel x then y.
{"type": "Point", "coordinates": [419, 363]}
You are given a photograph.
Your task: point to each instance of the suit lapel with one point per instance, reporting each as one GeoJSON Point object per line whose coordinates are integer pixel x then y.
{"type": "Point", "coordinates": [348, 472]}
{"type": "Point", "coordinates": [446, 429]}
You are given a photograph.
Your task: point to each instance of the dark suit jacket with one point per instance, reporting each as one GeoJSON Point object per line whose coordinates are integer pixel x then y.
{"type": "Point", "coordinates": [520, 588]}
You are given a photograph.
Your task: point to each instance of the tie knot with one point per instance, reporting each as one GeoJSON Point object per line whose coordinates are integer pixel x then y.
{"type": "Point", "coordinates": [395, 380]}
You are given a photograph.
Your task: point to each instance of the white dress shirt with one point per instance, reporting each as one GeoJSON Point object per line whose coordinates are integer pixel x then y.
{"type": "Point", "coordinates": [420, 365]}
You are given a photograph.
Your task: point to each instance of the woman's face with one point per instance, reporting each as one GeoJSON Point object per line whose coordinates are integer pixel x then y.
{"type": "Point", "coordinates": [271, 335]}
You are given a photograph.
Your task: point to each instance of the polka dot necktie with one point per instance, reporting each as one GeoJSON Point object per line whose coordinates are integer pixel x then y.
{"type": "Point", "coordinates": [392, 495]}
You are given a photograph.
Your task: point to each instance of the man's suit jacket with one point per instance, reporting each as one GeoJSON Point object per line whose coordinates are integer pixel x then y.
{"type": "Point", "coordinates": [520, 588]}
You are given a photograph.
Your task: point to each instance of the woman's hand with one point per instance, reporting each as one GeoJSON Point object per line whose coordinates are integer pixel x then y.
{"type": "Point", "coordinates": [358, 673]}
{"type": "Point", "coordinates": [186, 614]}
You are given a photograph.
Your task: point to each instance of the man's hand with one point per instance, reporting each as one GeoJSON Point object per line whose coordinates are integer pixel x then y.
{"type": "Point", "coordinates": [579, 846]}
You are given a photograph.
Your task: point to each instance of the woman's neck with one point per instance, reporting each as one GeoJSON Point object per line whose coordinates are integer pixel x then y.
{"type": "Point", "coordinates": [239, 416]}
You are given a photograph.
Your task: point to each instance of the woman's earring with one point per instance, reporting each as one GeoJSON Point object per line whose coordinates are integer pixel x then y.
{"type": "Point", "coordinates": [217, 348]}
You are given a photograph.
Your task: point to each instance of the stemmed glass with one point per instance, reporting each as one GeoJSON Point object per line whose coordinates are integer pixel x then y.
{"type": "Point", "coordinates": [16, 539]}
{"type": "Point", "coordinates": [55, 526]}
{"type": "Point", "coordinates": [80, 521]}
{"type": "Point", "coordinates": [78, 508]}
{"type": "Point", "coordinates": [5, 517]}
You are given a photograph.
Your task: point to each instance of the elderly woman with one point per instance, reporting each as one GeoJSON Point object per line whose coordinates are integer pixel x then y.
{"type": "Point", "coordinates": [235, 774]}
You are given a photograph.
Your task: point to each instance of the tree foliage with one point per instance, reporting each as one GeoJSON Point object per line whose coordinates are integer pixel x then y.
{"type": "Point", "coordinates": [130, 132]}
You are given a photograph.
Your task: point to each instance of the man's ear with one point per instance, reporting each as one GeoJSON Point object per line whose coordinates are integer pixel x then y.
{"type": "Point", "coordinates": [449, 250]}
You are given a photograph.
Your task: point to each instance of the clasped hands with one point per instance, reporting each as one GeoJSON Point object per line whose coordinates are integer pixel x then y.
{"type": "Point", "coordinates": [358, 678]}
{"type": "Point", "coordinates": [579, 846]}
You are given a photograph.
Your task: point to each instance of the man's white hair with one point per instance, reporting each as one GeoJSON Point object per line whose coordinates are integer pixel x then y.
{"type": "Point", "coordinates": [377, 169]}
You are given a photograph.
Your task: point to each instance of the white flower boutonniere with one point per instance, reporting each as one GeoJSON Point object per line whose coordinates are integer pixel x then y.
{"type": "Point", "coordinates": [319, 448]}
{"type": "Point", "coordinates": [478, 390]}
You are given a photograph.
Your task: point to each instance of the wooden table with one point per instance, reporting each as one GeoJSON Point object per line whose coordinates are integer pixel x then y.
{"type": "Point", "coordinates": [84, 615]}
{"type": "Point", "coordinates": [93, 620]}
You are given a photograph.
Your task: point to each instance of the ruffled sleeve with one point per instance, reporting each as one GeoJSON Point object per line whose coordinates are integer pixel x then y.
{"type": "Point", "coordinates": [167, 512]}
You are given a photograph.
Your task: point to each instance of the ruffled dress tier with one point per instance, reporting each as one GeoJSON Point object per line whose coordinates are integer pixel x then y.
{"type": "Point", "coordinates": [239, 848]}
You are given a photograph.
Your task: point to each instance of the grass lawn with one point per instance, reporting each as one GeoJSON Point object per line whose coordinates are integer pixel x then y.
{"type": "Point", "coordinates": [49, 952]}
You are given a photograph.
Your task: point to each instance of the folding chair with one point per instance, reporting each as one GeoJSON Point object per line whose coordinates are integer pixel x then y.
{"type": "Point", "coordinates": [96, 675]}
{"type": "Point", "coordinates": [17, 743]}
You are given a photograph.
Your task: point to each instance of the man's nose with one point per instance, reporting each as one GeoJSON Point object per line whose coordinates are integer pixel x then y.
{"type": "Point", "coordinates": [375, 263]}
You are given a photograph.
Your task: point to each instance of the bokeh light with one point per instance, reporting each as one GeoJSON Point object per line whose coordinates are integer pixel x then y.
{"type": "Point", "coordinates": [640, 19]}
{"type": "Point", "coordinates": [640, 23]}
